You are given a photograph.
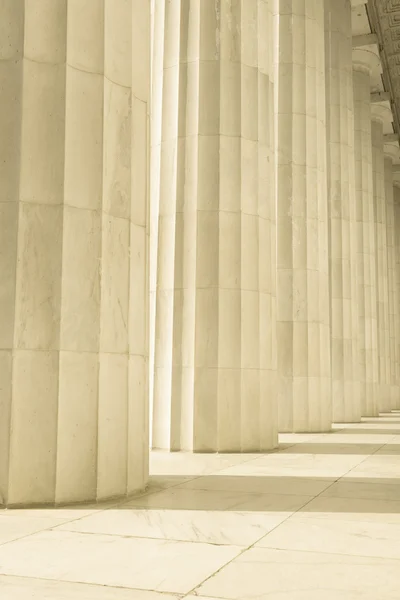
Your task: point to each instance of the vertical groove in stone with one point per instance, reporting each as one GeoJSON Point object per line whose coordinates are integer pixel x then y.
{"type": "Point", "coordinates": [171, 156]}
{"type": "Point", "coordinates": [34, 414]}
{"type": "Point", "coordinates": [157, 65]}
{"type": "Point", "coordinates": [11, 70]}
{"type": "Point", "coordinates": [381, 263]}
{"type": "Point", "coordinates": [342, 210]}
{"type": "Point", "coordinates": [303, 277]}
{"type": "Point", "coordinates": [366, 268]}
{"type": "Point", "coordinates": [79, 381]}
{"type": "Point", "coordinates": [392, 283]}
{"type": "Point", "coordinates": [215, 301]}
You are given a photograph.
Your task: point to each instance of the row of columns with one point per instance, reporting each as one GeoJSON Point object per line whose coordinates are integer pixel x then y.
{"type": "Point", "coordinates": [215, 248]}
{"type": "Point", "coordinates": [268, 292]}
{"type": "Point", "coordinates": [294, 160]}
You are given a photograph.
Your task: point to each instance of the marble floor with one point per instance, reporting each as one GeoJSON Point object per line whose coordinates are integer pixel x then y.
{"type": "Point", "coordinates": [318, 519]}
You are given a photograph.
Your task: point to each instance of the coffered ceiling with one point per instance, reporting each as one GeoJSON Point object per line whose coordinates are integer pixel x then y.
{"type": "Point", "coordinates": [376, 36]}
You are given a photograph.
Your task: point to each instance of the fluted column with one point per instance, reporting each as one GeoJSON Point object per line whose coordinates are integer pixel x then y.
{"type": "Point", "coordinates": [396, 199]}
{"type": "Point", "coordinates": [378, 170]}
{"type": "Point", "coordinates": [215, 334]}
{"type": "Point", "coordinates": [391, 152]}
{"type": "Point", "coordinates": [74, 104]}
{"type": "Point", "coordinates": [303, 279]}
{"type": "Point", "coordinates": [366, 265]}
{"type": "Point", "coordinates": [346, 405]}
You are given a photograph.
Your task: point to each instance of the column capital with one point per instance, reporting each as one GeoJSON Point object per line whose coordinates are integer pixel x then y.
{"type": "Point", "coordinates": [381, 112]}
{"type": "Point", "coordinates": [366, 60]}
{"type": "Point", "coordinates": [392, 151]}
{"type": "Point", "coordinates": [396, 189]}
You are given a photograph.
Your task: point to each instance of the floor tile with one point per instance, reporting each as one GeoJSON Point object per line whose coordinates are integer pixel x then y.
{"type": "Point", "coordinates": [156, 565]}
{"type": "Point", "coordinates": [357, 538]}
{"type": "Point", "coordinates": [182, 499]}
{"type": "Point", "coordinates": [163, 482]}
{"type": "Point", "coordinates": [351, 509]}
{"type": "Point", "coordinates": [18, 588]}
{"type": "Point", "coordinates": [254, 480]}
{"type": "Point", "coordinates": [372, 489]}
{"type": "Point", "coordinates": [323, 513]}
{"type": "Point", "coordinates": [195, 515]}
{"type": "Point", "coordinates": [184, 464]}
{"type": "Point", "coordinates": [303, 464]}
{"type": "Point", "coordinates": [18, 523]}
{"type": "Point", "coordinates": [14, 528]}
{"type": "Point", "coordinates": [330, 448]}
{"type": "Point", "coordinates": [379, 466]}
{"type": "Point", "coordinates": [260, 574]}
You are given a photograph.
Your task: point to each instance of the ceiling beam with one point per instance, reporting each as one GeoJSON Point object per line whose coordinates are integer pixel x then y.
{"type": "Point", "coordinates": [390, 137]}
{"type": "Point", "coordinates": [380, 97]}
{"type": "Point", "coordinates": [365, 40]}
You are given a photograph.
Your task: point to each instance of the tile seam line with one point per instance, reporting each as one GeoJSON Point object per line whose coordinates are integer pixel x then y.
{"type": "Point", "coordinates": [279, 525]}
{"type": "Point", "coordinates": [150, 493]}
{"type": "Point", "coordinates": [274, 451]}
{"type": "Point", "coordinates": [118, 504]}
{"type": "Point", "coordinates": [23, 537]}
{"type": "Point", "coordinates": [173, 541]}
{"type": "Point", "coordinates": [374, 557]}
{"type": "Point", "coordinates": [177, 595]}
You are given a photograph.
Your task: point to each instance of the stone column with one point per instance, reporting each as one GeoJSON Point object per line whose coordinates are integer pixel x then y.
{"type": "Point", "coordinates": [378, 115]}
{"type": "Point", "coordinates": [391, 153]}
{"type": "Point", "coordinates": [303, 278]}
{"type": "Point", "coordinates": [73, 155]}
{"type": "Point", "coordinates": [346, 405]}
{"type": "Point", "coordinates": [396, 198]}
{"type": "Point", "coordinates": [215, 337]}
{"type": "Point", "coordinates": [366, 267]}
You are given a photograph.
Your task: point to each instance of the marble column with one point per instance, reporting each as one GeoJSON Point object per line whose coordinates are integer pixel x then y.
{"type": "Point", "coordinates": [384, 394]}
{"type": "Point", "coordinates": [366, 267]}
{"type": "Point", "coordinates": [346, 405]}
{"type": "Point", "coordinates": [391, 153]}
{"type": "Point", "coordinates": [396, 199]}
{"type": "Point", "coordinates": [73, 165]}
{"type": "Point", "coordinates": [303, 329]}
{"type": "Point", "coordinates": [215, 333]}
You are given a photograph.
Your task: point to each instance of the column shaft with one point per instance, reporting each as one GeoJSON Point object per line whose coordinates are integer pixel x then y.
{"type": "Point", "coordinates": [392, 280]}
{"type": "Point", "coordinates": [303, 279]}
{"type": "Point", "coordinates": [381, 264]}
{"type": "Point", "coordinates": [396, 199]}
{"type": "Point", "coordinates": [342, 211]}
{"type": "Point", "coordinates": [215, 336]}
{"type": "Point", "coordinates": [74, 415]}
{"type": "Point", "coordinates": [366, 267]}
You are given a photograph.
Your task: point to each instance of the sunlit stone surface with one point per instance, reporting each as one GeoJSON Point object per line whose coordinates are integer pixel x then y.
{"type": "Point", "coordinates": [74, 277]}
{"type": "Point", "coordinates": [346, 404]}
{"type": "Point", "coordinates": [366, 263]}
{"type": "Point", "coordinates": [215, 305]}
{"type": "Point", "coordinates": [200, 244]}
{"type": "Point", "coordinates": [303, 328]}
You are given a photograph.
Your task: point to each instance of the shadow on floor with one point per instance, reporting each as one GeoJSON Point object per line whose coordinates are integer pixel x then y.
{"type": "Point", "coordinates": [366, 431]}
{"type": "Point", "coordinates": [342, 449]}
